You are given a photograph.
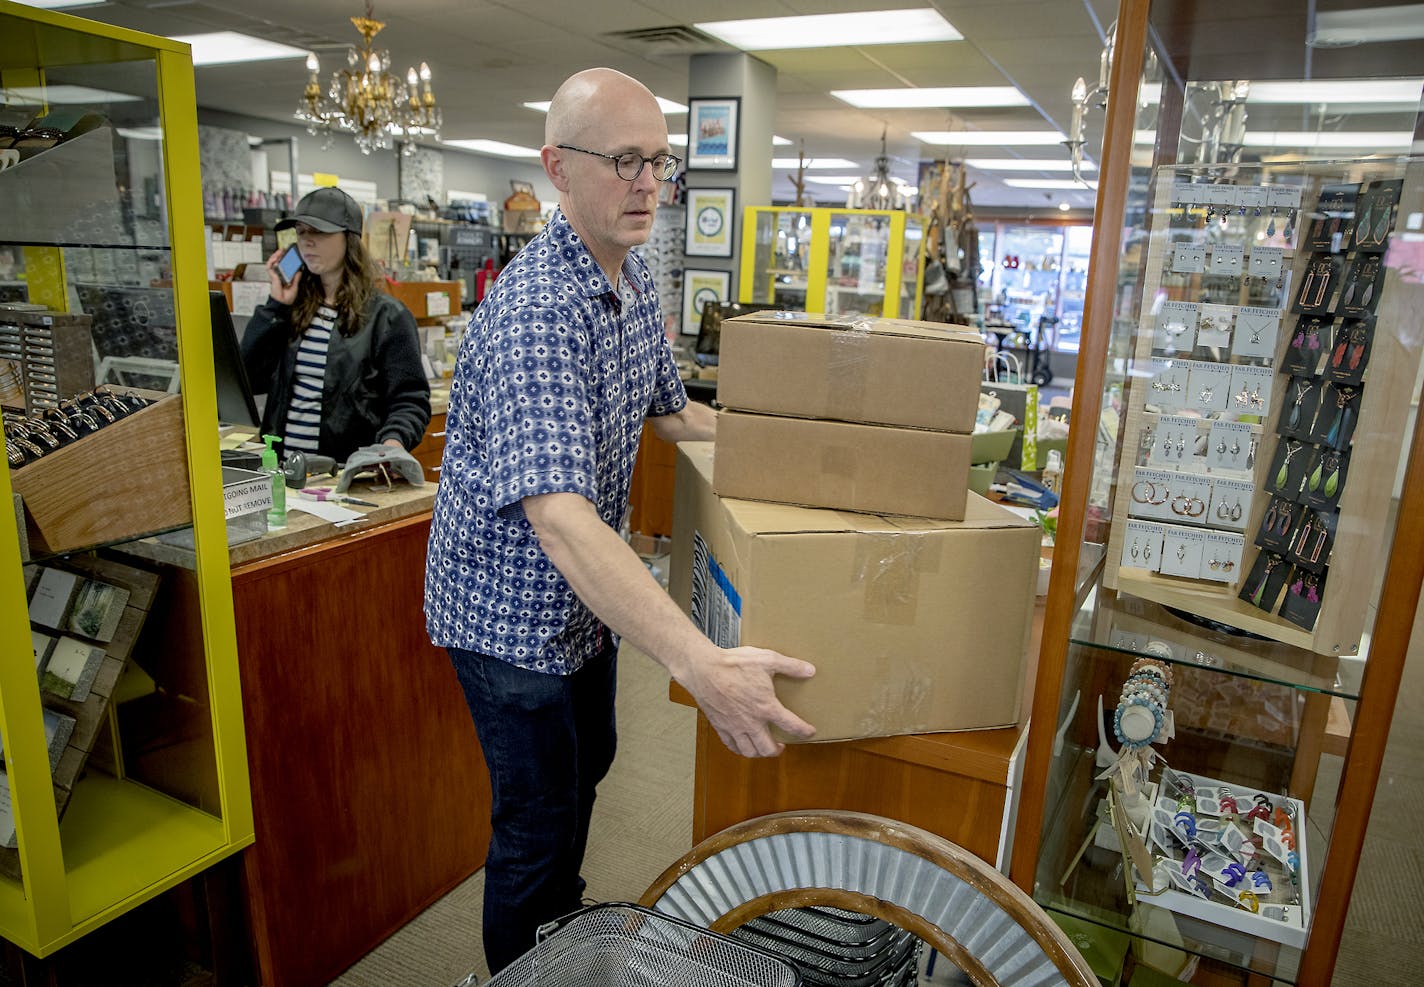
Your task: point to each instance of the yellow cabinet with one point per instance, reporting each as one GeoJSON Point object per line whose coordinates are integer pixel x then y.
{"type": "Point", "coordinates": [106, 198]}
{"type": "Point", "coordinates": [837, 261]}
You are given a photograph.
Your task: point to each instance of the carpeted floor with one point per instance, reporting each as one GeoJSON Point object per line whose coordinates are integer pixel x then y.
{"type": "Point", "coordinates": [643, 822]}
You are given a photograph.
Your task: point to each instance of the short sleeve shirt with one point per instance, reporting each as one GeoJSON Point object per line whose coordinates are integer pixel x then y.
{"type": "Point", "coordinates": [553, 381]}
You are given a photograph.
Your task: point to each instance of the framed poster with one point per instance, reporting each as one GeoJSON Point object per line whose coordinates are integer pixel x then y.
{"type": "Point", "coordinates": [699, 287]}
{"type": "Point", "coordinates": [710, 213]}
{"type": "Point", "coordinates": [712, 133]}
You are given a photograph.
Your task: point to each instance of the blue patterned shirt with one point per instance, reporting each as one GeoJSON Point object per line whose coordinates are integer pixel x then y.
{"type": "Point", "coordinates": [554, 378]}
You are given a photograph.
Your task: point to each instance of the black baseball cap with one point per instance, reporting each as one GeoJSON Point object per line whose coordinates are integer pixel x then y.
{"type": "Point", "coordinates": [326, 210]}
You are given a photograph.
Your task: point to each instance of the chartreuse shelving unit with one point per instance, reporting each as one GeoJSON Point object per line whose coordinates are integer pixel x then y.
{"type": "Point", "coordinates": [836, 261]}
{"type": "Point", "coordinates": [120, 840]}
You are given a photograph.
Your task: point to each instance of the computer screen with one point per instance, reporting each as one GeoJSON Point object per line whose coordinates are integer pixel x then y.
{"type": "Point", "coordinates": [236, 405]}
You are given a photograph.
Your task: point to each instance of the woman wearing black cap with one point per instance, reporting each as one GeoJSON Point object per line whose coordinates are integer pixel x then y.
{"type": "Point", "coordinates": [338, 358]}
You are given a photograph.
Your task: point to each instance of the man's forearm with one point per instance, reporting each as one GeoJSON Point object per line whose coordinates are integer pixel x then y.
{"type": "Point", "coordinates": [612, 581]}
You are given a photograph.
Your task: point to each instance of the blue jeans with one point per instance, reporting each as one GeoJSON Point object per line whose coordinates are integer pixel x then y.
{"type": "Point", "coordinates": [548, 741]}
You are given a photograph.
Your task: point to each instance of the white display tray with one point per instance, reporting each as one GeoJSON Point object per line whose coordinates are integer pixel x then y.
{"type": "Point", "coordinates": [1292, 930]}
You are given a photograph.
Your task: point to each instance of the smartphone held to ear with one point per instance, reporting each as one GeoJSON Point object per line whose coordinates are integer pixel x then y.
{"type": "Point", "coordinates": [289, 264]}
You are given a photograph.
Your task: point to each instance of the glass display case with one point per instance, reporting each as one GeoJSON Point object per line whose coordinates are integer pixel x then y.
{"type": "Point", "coordinates": [1236, 569]}
{"type": "Point", "coordinates": [836, 261]}
{"type": "Point", "coordinates": [125, 767]}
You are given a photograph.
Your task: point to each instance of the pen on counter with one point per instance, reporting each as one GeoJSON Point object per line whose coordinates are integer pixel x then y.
{"type": "Point", "coordinates": [321, 493]}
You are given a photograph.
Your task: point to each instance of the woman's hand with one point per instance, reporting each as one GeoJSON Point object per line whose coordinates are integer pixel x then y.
{"type": "Point", "coordinates": [284, 293]}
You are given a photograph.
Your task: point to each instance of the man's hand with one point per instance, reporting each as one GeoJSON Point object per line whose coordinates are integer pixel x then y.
{"type": "Point", "coordinates": [735, 691]}
{"type": "Point", "coordinates": [732, 686]}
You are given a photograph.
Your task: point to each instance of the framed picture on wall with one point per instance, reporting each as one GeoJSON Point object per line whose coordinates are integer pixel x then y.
{"type": "Point", "coordinates": [710, 222]}
{"type": "Point", "coordinates": [712, 133]}
{"type": "Point", "coordinates": [698, 288]}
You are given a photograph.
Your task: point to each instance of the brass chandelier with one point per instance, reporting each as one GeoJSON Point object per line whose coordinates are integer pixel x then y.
{"type": "Point", "coordinates": [367, 100]}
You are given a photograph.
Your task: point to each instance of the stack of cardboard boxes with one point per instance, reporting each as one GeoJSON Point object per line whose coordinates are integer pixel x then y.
{"type": "Point", "coordinates": [833, 523]}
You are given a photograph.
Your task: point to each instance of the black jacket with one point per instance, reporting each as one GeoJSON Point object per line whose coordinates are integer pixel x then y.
{"type": "Point", "coordinates": [375, 387]}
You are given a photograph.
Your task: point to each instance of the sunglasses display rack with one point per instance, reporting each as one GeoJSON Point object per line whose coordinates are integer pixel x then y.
{"type": "Point", "coordinates": [1248, 406]}
{"type": "Point", "coordinates": [88, 480]}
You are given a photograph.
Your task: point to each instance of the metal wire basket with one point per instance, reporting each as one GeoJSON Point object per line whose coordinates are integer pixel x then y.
{"type": "Point", "coordinates": [621, 945]}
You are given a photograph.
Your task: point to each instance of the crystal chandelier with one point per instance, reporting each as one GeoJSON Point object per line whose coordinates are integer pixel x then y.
{"type": "Point", "coordinates": [366, 99]}
{"type": "Point", "coordinates": [878, 190]}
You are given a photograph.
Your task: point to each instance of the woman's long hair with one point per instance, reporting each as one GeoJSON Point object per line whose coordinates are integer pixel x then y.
{"type": "Point", "coordinates": [360, 279]}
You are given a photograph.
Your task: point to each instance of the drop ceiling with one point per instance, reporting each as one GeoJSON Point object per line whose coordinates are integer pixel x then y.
{"type": "Point", "coordinates": [489, 57]}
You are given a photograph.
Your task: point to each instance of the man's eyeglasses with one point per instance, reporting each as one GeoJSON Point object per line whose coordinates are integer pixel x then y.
{"type": "Point", "coordinates": [629, 165]}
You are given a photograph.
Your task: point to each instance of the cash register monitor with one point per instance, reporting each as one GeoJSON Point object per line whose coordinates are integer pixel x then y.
{"type": "Point", "coordinates": [236, 405]}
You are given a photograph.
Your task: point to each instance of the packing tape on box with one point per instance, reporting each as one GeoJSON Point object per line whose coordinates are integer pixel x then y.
{"type": "Point", "coordinates": [889, 564]}
{"type": "Point", "coordinates": [846, 369]}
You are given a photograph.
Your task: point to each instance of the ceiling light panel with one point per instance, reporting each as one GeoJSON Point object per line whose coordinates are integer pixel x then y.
{"type": "Point", "coordinates": [1371, 25]}
{"type": "Point", "coordinates": [67, 95]}
{"type": "Point", "coordinates": [226, 47]}
{"type": "Point", "coordinates": [870, 27]}
{"type": "Point", "coordinates": [952, 97]}
{"type": "Point", "coordinates": [1061, 184]}
{"type": "Point", "coordinates": [990, 138]}
{"type": "Point", "coordinates": [812, 163]}
{"type": "Point", "coordinates": [1372, 140]}
{"type": "Point", "coordinates": [1024, 164]}
{"type": "Point", "coordinates": [494, 147]}
{"type": "Point", "coordinates": [1404, 92]}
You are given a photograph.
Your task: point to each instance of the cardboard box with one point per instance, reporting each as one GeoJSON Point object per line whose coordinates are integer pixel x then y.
{"type": "Point", "coordinates": [842, 465]}
{"type": "Point", "coordinates": [914, 625]}
{"type": "Point", "coordinates": [880, 371]}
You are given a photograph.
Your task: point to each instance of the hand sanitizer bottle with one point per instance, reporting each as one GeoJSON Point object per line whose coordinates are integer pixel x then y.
{"type": "Point", "coordinates": [277, 513]}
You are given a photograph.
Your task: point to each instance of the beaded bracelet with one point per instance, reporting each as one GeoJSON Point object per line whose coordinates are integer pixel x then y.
{"type": "Point", "coordinates": [1130, 722]}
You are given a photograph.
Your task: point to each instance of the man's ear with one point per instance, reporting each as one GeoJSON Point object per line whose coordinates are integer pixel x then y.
{"type": "Point", "coordinates": [553, 161]}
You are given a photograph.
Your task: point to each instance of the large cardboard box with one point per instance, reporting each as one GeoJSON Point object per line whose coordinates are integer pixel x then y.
{"type": "Point", "coordinates": [842, 465]}
{"type": "Point", "coordinates": [849, 368]}
{"type": "Point", "coordinates": [914, 625]}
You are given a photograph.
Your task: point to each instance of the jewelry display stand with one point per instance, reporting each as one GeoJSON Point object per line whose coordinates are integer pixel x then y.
{"type": "Point", "coordinates": [1265, 701]}
{"type": "Point", "coordinates": [1241, 401]}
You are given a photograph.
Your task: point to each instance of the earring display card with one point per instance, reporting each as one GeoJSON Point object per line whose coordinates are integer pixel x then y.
{"type": "Point", "coordinates": [1221, 557]}
{"type": "Point", "coordinates": [1266, 263]}
{"type": "Point", "coordinates": [1318, 285]}
{"type": "Point", "coordinates": [1151, 494]}
{"type": "Point", "coordinates": [1251, 389]}
{"type": "Point", "coordinates": [1326, 480]}
{"type": "Point", "coordinates": [1298, 412]}
{"type": "Point", "coordinates": [1229, 445]}
{"type": "Point", "coordinates": [1169, 383]}
{"type": "Point", "coordinates": [1182, 552]}
{"type": "Point", "coordinates": [1360, 293]}
{"type": "Point", "coordinates": [1339, 410]}
{"type": "Point", "coordinates": [1350, 352]}
{"type": "Point", "coordinates": [1302, 603]}
{"type": "Point", "coordinates": [1176, 328]}
{"type": "Point", "coordinates": [1189, 258]}
{"type": "Point", "coordinates": [1262, 588]}
{"type": "Point", "coordinates": [1312, 539]}
{"type": "Point", "coordinates": [1333, 222]}
{"type": "Point", "coordinates": [1309, 337]}
{"type": "Point", "coordinates": [1276, 526]}
{"type": "Point", "coordinates": [1230, 503]}
{"type": "Point", "coordinates": [1256, 332]}
{"type": "Point", "coordinates": [1209, 387]}
{"type": "Point", "coordinates": [1214, 326]}
{"type": "Point", "coordinates": [1227, 260]}
{"type": "Point", "coordinates": [1375, 217]}
{"type": "Point", "coordinates": [1174, 441]}
{"type": "Point", "coordinates": [1191, 493]}
{"type": "Point", "coordinates": [1142, 545]}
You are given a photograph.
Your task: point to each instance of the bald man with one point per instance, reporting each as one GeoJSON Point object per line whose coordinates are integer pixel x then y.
{"type": "Point", "coordinates": [528, 584]}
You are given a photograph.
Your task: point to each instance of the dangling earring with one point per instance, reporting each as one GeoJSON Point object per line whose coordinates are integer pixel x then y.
{"type": "Point", "coordinates": [1332, 482]}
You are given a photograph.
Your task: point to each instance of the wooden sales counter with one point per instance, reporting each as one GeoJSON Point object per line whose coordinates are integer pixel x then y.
{"type": "Point", "coordinates": [369, 792]}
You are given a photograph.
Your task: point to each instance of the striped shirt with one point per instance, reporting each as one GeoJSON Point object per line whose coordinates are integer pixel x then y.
{"type": "Point", "coordinates": [304, 411]}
